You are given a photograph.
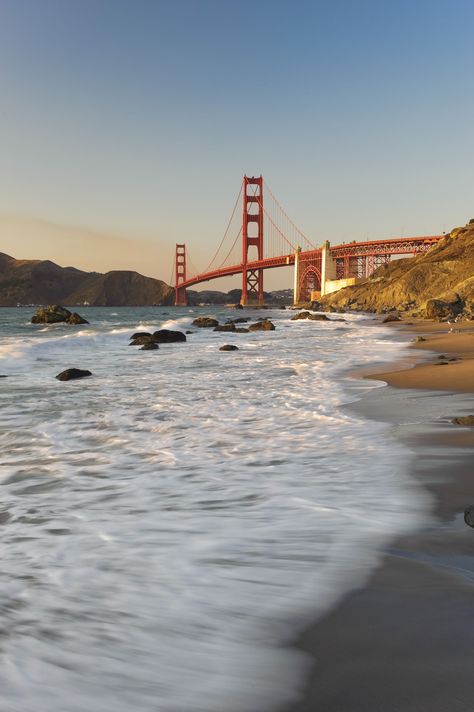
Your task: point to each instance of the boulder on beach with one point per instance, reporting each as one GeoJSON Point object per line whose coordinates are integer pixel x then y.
{"type": "Point", "coordinates": [56, 314]}
{"type": "Point", "coordinates": [166, 336]}
{"type": "Point", "coordinates": [205, 322]}
{"type": "Point", "coordinates": [71, 374]}
{"type": "Point", "coordinates": [464, 420]}
{"type": "Point", "coordinates": [390, 317]}
{"type": "Point", "coordinates": [469, 515]}
{"type": "Point", "coordinates": [447, 308]}
{"type": "Point", "coordinates": [239, 320]}
{"type": "Point", "coordinates": [229, 347]}
{"type": "Point", "coordinates": [264, 325]}
{"type": "Point", "coordinates": [241, 330]}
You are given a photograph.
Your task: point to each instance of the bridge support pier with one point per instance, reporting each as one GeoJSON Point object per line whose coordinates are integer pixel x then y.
{"type": "Point", "coordinates": [252, 236]}
{"type": "Point", "coordinates": [328, 266]}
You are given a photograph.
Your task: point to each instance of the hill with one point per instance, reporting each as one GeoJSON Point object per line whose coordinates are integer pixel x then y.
{"type": "Point", "coordinates": [44, 282]}
{"type": "Point", "coordinates": [445, 273]}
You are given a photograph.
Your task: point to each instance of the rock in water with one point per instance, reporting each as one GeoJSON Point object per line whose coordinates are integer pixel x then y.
{"type": "Point", "coordinates": [141, 340]}
{"type": "Point", "coordinates": [55, 314]}
{"type": "Point", "coordinates": [165, 336]}
{"type": "Point", "coordinates": [225, 327]}
{"type": "Point", "coordinates": [308, 315]}
{"type": "Point", "coordinates": [71, 374]}
{"type": "Point", "coordinates": [469, 516]}
{"type": "Point", "coordinates": [264, 325]}
{"type": "Point", "coordinates": [463, 420]}
{"type": "Point", "coordinates": [205, 322]}
{"type": "Point", "coordinates": [140, 334]}
{"type": "Point", "coordinates": [149, 346]}
{"type": "Point", "coordinates": [229, 347]}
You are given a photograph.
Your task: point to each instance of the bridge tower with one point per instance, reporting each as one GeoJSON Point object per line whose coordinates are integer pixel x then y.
{"type": "Point", "coordinates": [252, 236]}
{"type": "Point", "coordinates": [180, 291]}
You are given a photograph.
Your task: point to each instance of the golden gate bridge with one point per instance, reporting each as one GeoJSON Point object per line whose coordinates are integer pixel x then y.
{"type": "Point", "coordinates": [317, 269]}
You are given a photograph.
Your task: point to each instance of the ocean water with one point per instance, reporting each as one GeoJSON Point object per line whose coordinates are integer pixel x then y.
{"type": "Point", "coordinates": [170, 524]}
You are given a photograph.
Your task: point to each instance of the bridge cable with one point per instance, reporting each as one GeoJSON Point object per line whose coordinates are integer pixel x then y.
{"type": "Point", "coordinates": [226, 230]}
{"type": "Point", "coordinates": [288, 217]}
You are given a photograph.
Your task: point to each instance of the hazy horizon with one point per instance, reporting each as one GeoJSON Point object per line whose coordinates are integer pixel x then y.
{"type": "Point", "coordinates": [126, 127]}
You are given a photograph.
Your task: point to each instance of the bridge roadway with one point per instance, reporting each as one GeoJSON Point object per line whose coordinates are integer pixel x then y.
{"type": "Point", "coordinates": [396, 246]}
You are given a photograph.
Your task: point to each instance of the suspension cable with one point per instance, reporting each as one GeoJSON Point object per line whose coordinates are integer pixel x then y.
{"type": "Point", "coordinates": [226, 230]}
{"type": "Point", "coordinates": [288, 217]}
{"type": "Point", "coordinates": [233, 245]}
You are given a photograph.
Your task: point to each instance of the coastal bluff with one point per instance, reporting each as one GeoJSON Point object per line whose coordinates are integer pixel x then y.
{"type": "Point", "coordinates": [438, 284]}
{"type": "Point", "coordinates": [44, 282]}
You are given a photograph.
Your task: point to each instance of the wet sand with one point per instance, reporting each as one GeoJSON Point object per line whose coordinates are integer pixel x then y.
{"type": "Point", "coordinates": [404, 642]}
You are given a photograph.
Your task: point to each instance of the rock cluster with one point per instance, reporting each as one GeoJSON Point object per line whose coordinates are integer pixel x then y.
{"type": "Point", "coordinates": [149, 342]}
{"type": "Point", "coordinates": [56, 314]}
{"type": "Point", "coordinates": [308, 315]}
{"type": "Point", "coordinates": [229, 347]}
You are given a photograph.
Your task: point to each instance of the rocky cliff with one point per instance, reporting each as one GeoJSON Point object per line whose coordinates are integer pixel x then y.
{"type": "Point", "coordinates": [445, 273]}
{"type": "Point", "coordinates": [44, 282]}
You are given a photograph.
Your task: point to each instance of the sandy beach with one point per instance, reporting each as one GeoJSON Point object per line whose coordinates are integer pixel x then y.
{"type": "Point", "coordinates": [403, 643]}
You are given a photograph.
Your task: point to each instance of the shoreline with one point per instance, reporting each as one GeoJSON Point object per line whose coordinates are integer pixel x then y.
{"type": "Point", "coordinates": [403, 642]}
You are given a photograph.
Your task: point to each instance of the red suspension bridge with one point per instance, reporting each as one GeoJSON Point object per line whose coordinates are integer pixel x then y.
{"type": "Point", "coordinates": [243, 250]}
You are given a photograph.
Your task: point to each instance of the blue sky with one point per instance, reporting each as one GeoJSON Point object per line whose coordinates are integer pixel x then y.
{"type": "Point", "coordinates": [127, 126]}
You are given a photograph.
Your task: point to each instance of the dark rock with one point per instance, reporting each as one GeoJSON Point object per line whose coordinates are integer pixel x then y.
{"type": "Point", "coordinates": [56, 314]}
{"type": "Point", "coordinates": [469, 516]}
{"type": "Point", "coordinates": [239, 320]}
{"type": "Point", "coordinates": [71, 374]}
{"type": "Point", "coordinates": [264, 325]}
{"type": "Point", "coordinates": [390, 317]}
{"type": "Point", "coordinates": [319, 317]}
{"type": "Point", "coordinates": [205, 322]}
{"type": "Point", "coordinates": [149, 346]}
{"type": "Point", "coordinates": [463, 420]}
{"type": "Point", "coordinates": [419, 339]}
{"type": "Point", "coordinates": [229, 347]}
{"type": "Point", "coordinates": [308, 315]}
{"type": "Point", "coordinates": [238, 306]}
{"type": "Point", "coordinates": [165, 336]}
{"type": "Point", "coordinates": [75, 318]}
{"type": "Point", "coordinates": [241, 330]}
{"type": "Point", "coordinates": [139, 334]}
{"type": "Point", "coordinates": [225, 327]}
{"type": "Point", "coordinates": [189, 332]}
{"type": "Point", "coordinates": [444, 308]}
{"type": "Point", "coordinates": [300, 315]}
{"type": "Point", "coordinates": [141, 340]}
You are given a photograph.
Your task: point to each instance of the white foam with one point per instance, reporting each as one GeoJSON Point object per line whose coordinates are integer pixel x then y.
{"type": "Point", "coordinates": [214, 504]}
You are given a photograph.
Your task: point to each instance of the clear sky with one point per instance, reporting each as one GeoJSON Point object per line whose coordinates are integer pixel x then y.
{"type": "Point", "coordinates": [126, 125]}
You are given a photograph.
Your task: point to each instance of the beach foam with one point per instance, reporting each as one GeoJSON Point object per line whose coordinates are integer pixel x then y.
{"type": "Point", "coordinates": [179, 516]}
